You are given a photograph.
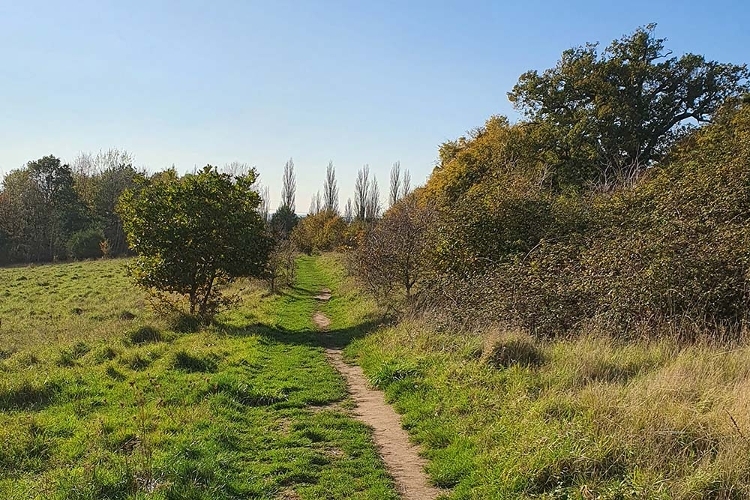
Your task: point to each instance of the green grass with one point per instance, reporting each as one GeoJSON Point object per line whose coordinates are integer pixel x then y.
{"type": "Point", "coordinates": [101, 399]}
{"type": "Point", "coordinates": [96, 403]}
{"type": "Point", "coordinates": [501, 415]}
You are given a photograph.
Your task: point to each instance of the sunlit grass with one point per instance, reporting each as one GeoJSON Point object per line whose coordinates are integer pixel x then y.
{"type": "Point", "coordinates": [96, 403]}
{"type": "Point", "coordinates": [501, 415]}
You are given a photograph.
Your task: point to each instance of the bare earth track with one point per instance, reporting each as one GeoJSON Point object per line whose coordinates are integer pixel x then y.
{"type": "Point", "coordinates": [400, 456]}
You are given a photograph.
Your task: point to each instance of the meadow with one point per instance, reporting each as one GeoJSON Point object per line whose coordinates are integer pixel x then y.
{"type": "Point", "coordinates": [502, 415]}
{"type": "Point", "coordinates": [102, 398]}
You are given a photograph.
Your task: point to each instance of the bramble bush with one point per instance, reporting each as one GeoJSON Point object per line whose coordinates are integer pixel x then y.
{"type": "Point", "coordinates": [667, 255]}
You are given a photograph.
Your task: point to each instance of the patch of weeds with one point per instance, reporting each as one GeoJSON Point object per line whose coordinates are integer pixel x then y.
{"type": "Point", "coordinates": [602, 370]}
{"type": "Point", "coordinates": [108, 480]}
{"type": "Point", "coordinates": [24, 447]}
{"type": "Point", "coordinates": [106, 353]}
{"type": "Point", "coordinates": [393, 371]}
{"type": "Point", "coordinates": [136, 362]}
{"type": "Point", "coordinates": [559, 410]}
{"type": "Point", "coordinates": [126, 316]}
{"type": "Point", "coordinates": [25, 359]}
{"type": "Point", "coordinates": [114, 373]}
{"type": "Point", "coordinates": [27, 395]}
{"type": "Point", "coordinates": [567, 471]}
{"type": "Point", "coordinates": [185, 323]}
{"type": "Point", "coordinates": [69, 356]}
{"type": "Point", "coordinates": [510, 350]}
{"type": "Point", "coordinates": [451, 464]}
{"type": "Point", "coordinates": [712, 486]}
{"type": "Point", "coordinates": [245, 394]}
{"type": "Point", "coordinates": [192, 363]}
{"type": "Point", "coordinates": [144, 335]}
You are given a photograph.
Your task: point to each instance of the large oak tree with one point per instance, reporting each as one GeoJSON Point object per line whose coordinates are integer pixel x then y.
{"type": "Point", "coordinates": [607, 116]}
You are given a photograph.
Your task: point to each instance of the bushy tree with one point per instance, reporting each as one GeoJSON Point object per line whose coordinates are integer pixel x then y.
{"type": "Point", "coordinates": [195, 232]}
{"type": "Point", "coordinates": [40, 210]}
{"type": "Point", "coordinates": [610, 115]}
{"type": "Point", "coordinates": [330, 190]}
{"type": "Point", "coordinates": [393, 258]}
{"type": "Point", "coordinates": [86, 244]}
{"type": "Point", "coordinates": [289, 187]}
{"type": "Point", "coordinates": [319, 232]}
{"type": "Point", "coordinates": [361, 193]}
{"type": "Point", "coordinates": [283, 222]}
{"type": "Point", "coordinates": [282, 266]}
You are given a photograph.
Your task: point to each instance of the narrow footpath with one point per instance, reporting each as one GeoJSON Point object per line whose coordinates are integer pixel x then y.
{"type": "Point", "coordinates": [400, 456]}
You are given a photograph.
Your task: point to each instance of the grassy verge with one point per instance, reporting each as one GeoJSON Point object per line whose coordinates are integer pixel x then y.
{"type": "Point", "coordinates": [501, 415]}
{"type": "Point", "coordinates": [96, 403]}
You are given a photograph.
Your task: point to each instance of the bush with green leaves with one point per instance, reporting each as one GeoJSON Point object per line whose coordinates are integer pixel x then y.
{"type": "Point", "coordinates": [194, 233]}
{"type": "Point", "coordinates": [86, 244]}
{"type": "Point", "coordinates": [667, 256]}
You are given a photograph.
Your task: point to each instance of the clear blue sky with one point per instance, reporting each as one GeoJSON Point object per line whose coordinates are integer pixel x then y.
{"type": "Point", "coordinates": [189, 83]}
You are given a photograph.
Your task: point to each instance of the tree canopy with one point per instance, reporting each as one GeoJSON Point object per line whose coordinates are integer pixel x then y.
{"type": "Point", "coordinates": [194, 232]}
{"type": "Point", "coordinates": [609, 115]}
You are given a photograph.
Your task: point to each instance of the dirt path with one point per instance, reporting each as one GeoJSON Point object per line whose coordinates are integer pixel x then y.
{"type": "Point", "coordinates": [399, 454]}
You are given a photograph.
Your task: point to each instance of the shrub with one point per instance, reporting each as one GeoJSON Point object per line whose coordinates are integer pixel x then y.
{"type": "Point", "coordinates": [145, 334]}
{"type": "Point", "coordinates": [392, 260]}
{"type": "Point", "coordinates": [508, 349]}
{"type": "Point", "coordinates": [86, 244]}
{"type": "Point", "coordinates": [319, 232]}
{"type": "Point", "coordinates": [669, 255]}
{"type": "Point", "coordinates": [192, 363]}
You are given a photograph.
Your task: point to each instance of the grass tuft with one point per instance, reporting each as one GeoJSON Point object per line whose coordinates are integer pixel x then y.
{"type": "Point", "coordinates": [393, 371]}
{"type": "Point", "coordinates": [144, 335]}
{"type": "Point", "coordinates": [28, 395]}
{"type": "Point", "coordinates": [193, 363]}
{"type": "Point", "coordinates": [246, 395]}
{"type": "Point", "coordinates": [184, 323]}
{"type": "Point", "coordinates": [503, 350]}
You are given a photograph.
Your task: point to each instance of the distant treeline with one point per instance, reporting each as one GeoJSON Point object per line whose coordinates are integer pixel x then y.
{"type": "Point", "coordinates": [50, 210]}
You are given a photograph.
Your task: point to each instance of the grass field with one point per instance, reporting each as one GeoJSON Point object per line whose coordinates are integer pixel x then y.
{"type": "Point", "coordinates": [101, 399]}
{"type": "Point", "coordinates": [504, 416]}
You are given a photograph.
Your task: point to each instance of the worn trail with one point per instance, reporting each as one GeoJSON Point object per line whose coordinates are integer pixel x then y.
{"type": "Point", "coordinates": [400, 456]}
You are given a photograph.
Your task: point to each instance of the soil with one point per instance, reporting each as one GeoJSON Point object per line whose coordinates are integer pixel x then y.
{"type": "Point", "coordinates": [400, 456]}
{"type": "Point", "coordinates": [321, 321]}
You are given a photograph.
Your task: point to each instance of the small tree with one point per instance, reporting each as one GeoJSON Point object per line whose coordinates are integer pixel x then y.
{"type": "Point", "coordinates": [289, 187]}
{"type": "Point", "coordinates": [86, 244]}
{"type": "Point", "coordinates": [348, 211]}
{"type": "Point", "coordinates": [330, 190]}
{"type": "Point", "coordinates": [392, 256]}
{"type": "Point", "coordinates": [373, 206]}
{"type": "Point", "coordinates": [406, 184]}
{"type": "Point", "coordinates": [395, 186]}
{"type": "Point", "coordinates": [319, 232]}
{"type": "Point", "coordinates": [195, 232]}
{"type": "Point", "coordinates": [282, 222]}
{"type": "Point", "coordinates": [361, 193]}
{"type": "Point", "coordinates": [282, 266]}
{"type": "Point", "coordinates": [264, 208]}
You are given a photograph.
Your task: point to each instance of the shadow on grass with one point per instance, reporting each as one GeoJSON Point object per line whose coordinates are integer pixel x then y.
{"type": "Point", "coordinates": [335, 339]}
